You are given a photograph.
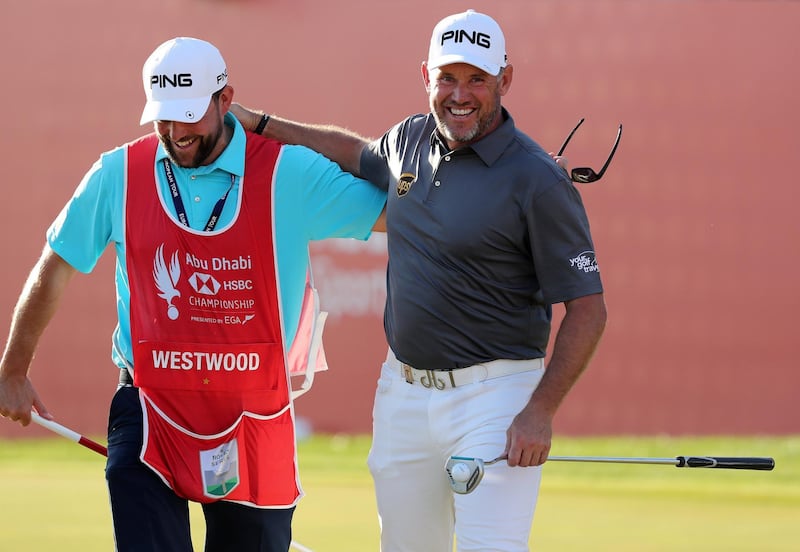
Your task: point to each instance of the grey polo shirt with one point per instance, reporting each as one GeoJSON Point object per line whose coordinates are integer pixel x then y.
{"type": "Point", "coordinates": [482, 241]}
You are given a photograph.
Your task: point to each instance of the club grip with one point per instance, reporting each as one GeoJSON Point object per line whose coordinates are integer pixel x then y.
{"type": "Point", "coordinates": [726, 462]}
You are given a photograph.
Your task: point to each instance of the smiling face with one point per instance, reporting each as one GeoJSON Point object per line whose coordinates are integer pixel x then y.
{"type": "Point", "coordinates": [192, 145]}
{"type": "Point", "coordinates": [465, 101]}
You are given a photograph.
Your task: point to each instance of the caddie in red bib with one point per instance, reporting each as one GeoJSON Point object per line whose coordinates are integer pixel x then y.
{"type": "Point", "coordinates": [210, 227]}
{"type": "Point", "coordinates": [208, 343]}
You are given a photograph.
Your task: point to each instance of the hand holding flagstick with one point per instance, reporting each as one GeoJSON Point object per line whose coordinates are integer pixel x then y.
{"type": "Point", "coordinates": [69, 434]}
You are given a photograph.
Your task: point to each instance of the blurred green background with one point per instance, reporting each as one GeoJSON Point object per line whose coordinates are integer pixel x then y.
{"type": "Point", "coordinates": [54, 498]}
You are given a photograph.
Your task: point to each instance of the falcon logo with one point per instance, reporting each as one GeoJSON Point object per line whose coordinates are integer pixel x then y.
{"type": "Point", "coordinates": [404, 183]}
{"type": "Point", "coordinates": [166, 279]}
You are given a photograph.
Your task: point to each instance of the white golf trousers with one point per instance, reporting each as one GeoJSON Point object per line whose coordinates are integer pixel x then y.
{"type": "Point", "coordinates": [416, 430]}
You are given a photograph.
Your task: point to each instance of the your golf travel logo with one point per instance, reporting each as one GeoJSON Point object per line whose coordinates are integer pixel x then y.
{"type": "Point", "coordinates": [166, 279]}
{"type": "Point", "coordinates": [585, 262]}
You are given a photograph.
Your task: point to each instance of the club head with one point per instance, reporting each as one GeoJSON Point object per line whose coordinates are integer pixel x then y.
{"type": "Point", "coordinates": [461, 484]}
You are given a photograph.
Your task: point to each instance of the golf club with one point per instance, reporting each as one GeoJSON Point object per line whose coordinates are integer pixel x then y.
{"type": "Point", "coordinates": [466, 472]}
{"type": "Point", "coordinates": [100, 449]}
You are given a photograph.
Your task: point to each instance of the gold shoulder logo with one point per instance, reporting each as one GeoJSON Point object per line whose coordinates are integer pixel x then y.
{"type": "Point", "coordinates": [404, 183]}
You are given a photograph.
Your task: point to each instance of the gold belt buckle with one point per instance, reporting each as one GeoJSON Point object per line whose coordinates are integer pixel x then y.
{"type": "Point", "coordinates": [430, 379]}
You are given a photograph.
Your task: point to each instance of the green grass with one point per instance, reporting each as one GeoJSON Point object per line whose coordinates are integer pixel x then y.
{"type": "Point", "coordinates": [54, 498]}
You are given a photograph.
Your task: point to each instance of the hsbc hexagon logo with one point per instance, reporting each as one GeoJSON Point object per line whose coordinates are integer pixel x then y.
{"type": "Point", "coordinates": [204, 284]}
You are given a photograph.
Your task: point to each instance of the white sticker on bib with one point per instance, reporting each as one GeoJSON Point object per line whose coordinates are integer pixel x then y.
{"type": "Point", "coordinates": [220, 467]}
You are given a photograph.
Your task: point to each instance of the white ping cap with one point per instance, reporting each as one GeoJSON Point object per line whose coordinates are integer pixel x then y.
{"type": "Point", "coordinates": [468, 37]}
{"type": "Point", "coordinates": [179, 78]}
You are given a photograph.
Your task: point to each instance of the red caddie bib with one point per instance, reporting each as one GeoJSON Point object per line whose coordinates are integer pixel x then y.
{"type": "Point", "coordinates": [207, 340]}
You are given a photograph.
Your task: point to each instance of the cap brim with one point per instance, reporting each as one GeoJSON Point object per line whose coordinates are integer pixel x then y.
{"type": "Point", "coordinates": [182, 111]}
{"type": "Point", "coordinates": [441, 61]}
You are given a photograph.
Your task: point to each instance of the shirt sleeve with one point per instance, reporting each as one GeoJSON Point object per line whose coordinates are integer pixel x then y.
{"type": "Point", "coordinates": [386, 153]}
{"type": "Point", "coordinates": [322, 199]}
{"type": "Point", "coordinates": [374, 166]}
{"type": "Point", "coordinates": [86, 225]}
{"type": "Point", "coordinates": [561, 242]}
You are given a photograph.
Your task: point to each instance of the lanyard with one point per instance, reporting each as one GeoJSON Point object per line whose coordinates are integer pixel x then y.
{"type": "Point", "coordinates": [180, 210]}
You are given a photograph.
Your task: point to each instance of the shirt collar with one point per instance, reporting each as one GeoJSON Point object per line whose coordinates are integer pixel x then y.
{"type": "Point", "coordinates": [231, 160]}
{"type": "Point", "coordinates": [490, 147]}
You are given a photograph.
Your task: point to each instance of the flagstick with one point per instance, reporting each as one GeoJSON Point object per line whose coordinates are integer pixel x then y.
{"type": "Point", "coordinates": [69, 434]}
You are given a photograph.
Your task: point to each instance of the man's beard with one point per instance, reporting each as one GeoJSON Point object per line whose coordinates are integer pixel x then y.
{"type": "Point", "coordinates": [205, 147]}
{"type": "Point", "coordinates": [470, 134]}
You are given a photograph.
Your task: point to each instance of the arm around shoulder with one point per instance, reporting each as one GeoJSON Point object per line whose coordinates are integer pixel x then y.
{"type": "Point", "coordinates": [336, 143]}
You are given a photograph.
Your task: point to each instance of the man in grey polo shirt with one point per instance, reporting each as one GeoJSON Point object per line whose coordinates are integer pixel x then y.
{"type": "Point", "coordinates": [485, 232]}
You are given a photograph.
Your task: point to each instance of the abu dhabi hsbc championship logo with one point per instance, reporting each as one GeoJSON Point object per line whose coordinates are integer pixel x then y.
{"type": "Point", "coordinates": [166, 279]}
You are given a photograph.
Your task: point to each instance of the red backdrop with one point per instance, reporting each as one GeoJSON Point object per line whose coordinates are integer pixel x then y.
{"type": "Point", "coordinates": [694, 224]}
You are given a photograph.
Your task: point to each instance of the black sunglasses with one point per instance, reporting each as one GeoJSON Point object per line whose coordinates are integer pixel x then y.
{"type": "Point", "coordinates": [587, 174]}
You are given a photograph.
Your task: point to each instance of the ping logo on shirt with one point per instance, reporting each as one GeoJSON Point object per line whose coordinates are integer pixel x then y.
{"type": "Point", "coordinates": [404, 183]}
{"type": "Point", "coordinates": [460, 35]}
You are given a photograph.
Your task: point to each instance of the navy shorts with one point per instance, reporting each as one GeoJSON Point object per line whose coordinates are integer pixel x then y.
{"type": "Point", "coordinates": [149, 516]}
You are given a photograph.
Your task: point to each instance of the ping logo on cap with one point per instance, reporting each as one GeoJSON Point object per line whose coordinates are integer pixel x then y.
{"type": "Point", "coordinates": [460, 35]}
{"type": "Point", "coordinates": [179, 79]}
{"type": "Point", "coordinates": [468, 37]}
{"type": "Point", "coordinates": [174, 80]}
